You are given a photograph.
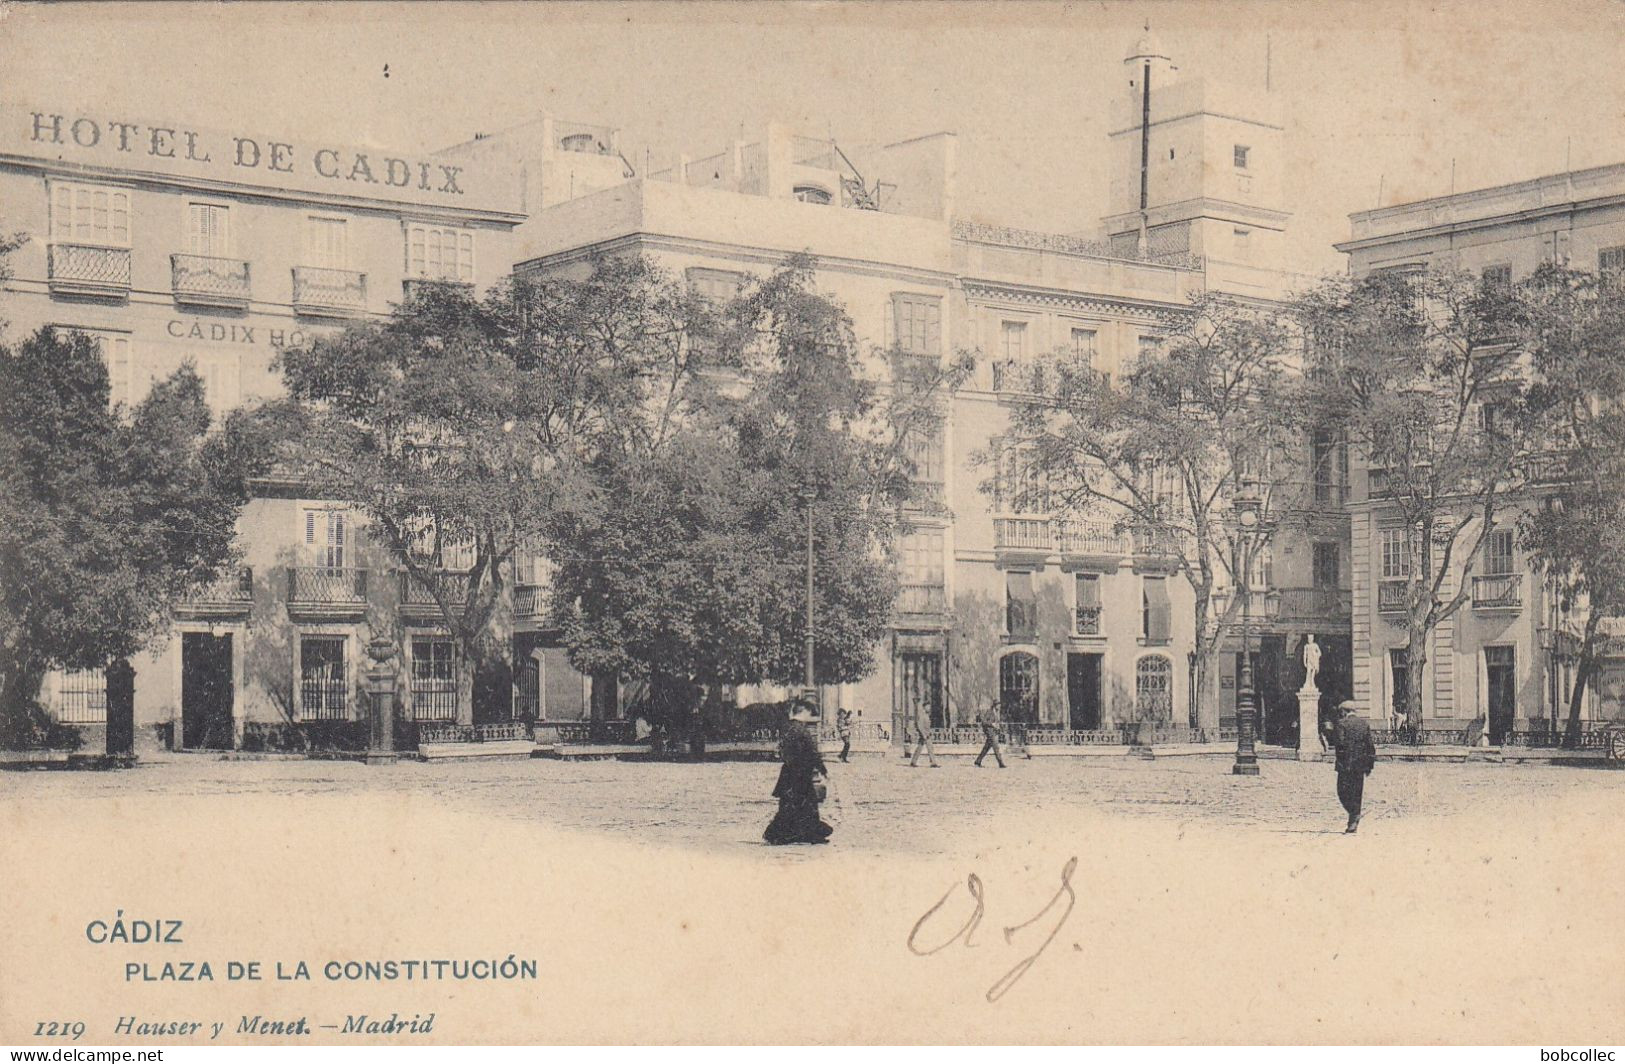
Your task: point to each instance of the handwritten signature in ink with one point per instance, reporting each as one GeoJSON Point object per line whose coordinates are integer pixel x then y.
{"type": "Point", "coordinates": [973, 885]}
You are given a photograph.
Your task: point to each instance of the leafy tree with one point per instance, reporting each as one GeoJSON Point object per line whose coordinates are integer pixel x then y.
{"type": "Point", "coordinates": [683, 562]}
{"type": "Point", "coordinates": [455, 425]}
{"type": "Point", "coordinates": [1211, 415]}
{"type": "Point", "coordinates": [1420, 373]}
{"type": "Point", "coordinates": [1572, 324]}
{"type": "Point", "coordinates": [108, 516]}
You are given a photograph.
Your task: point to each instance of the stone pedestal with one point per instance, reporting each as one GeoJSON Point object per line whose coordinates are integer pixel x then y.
{"type": "Point", "coordinates": [1309, 723]}
{"type": "Point", "coordinates": [379, 682]}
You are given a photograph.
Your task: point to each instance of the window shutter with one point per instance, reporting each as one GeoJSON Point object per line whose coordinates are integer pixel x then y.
{"type": "Point", "coordinates": [933, 328]}
{"type": "Point", "coordinates": [310, 527]}
{"type": "Point", "coordinates": [890, 327]}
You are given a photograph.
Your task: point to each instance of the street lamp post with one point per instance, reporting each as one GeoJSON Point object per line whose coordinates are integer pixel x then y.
{"type": "Point", "coordinates": [1246, 698]}
{"type": "Point", "coordinates": [807, 496]}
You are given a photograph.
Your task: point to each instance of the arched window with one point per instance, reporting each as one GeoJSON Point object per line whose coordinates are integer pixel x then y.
{"type": "Point", "coordinates": [812, 194]}
{"type": "Point", "coordinates": [1154, 689]}
{"type": "Point", "coordinates": [1018, 687]}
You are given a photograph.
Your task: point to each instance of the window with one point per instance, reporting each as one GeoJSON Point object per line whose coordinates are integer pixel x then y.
{"type": "Point", "coordinates": [811, 194]}
{"type": "Point", "coordinates": [1611, 266]}
{"type": "Point", "coordinates": [440, 254]}
{"type": "Point", "coordinates": [82, 697]}
{"type": "Point", "coordinates": [1020, 606]}
{"type": "Point", "coordinates": [1497, 278]}
{"type": "Point", "coordinates": [1241, 240]}
{"type": "Point", "coordinates": [1327, 563]}
{"type": "Point", "coordinates": [1263, 574]}
{"type": "Point", "coordinates": [1018, 687]}
{"type": "Point", "coordinates": [1013, 341]}
{"type": "Point", "coordinates": [917, 324]}
{"type": "Point", "coordinates": [1498, 554]}
{"type": "Point", "coordinates": [1086, 593]}
{"type": "Point", "coordinates": [327, 244]}
{"type": "Point", "coordinates": [923, 446]}
{"type": "Point", "coordinates": [1396, 555]}
{"type": "Point", "coordinates": [1084, 346]}
{"type": "Point", "coordinates": [1240, 154]}
{"type": "Point", "coordinates": [219, 374]}
{"type": "Point", "coordinates": [1020, 485]}
{"type": "Point", "coordinates": [1156, 611]}
{"type": "Point", "coordinates": [323, 684]}
{"type": "Point", "coordinates": [434, 678]}
{"type": "Point", "coordinates": [1154, 689]}
{"type": "Point", "coordinates": [114, 351]}
{"type": "Point", "coordinates": [716, 286]}
{"type": "Point", "coordinates": [208, 230]}
{"type": "Point", "coordinates": [1147, 346]}
{"type": "Point", "coordinates": [325, 536]}
{"type": "Point", "coordinates": [922, 557]}
{"type": "Point", "coordinates": [86, 214]}
{"type": "Point", "coordinates": [1328, 458]}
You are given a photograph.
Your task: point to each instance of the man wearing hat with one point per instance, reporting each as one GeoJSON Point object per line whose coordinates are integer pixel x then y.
{"type": "Point", "coordinates": [801, 782]}
{"type": "Point", "coordinates": [1356, 757]}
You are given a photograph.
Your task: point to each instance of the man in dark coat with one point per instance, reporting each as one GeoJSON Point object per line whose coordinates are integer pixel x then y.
{"type": "Point", "coordinates": [800, 774]}
{"type": "Point", "coordinates": [989, 721]}
{"type": "Point", "coordinates": [1356, 757]}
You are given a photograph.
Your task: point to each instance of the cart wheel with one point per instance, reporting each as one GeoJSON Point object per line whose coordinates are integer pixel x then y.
{"type": "Point", "coordinates": [1616, 746]}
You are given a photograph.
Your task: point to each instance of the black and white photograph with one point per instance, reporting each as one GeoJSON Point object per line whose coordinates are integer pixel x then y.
{"type": "Point", "coordinates": [819, 523]}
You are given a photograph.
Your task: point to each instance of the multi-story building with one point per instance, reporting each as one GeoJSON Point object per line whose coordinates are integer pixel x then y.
{"type": "Point", "coordinates": [170, 244]}
{"type": "Point", "coordinates": [1068, 624]}
{"type": "Point", "coordinates": [1507, 657]}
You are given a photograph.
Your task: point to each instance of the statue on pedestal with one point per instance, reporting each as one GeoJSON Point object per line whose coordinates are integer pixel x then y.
{"type": "Point", "coordinates": [1311, 664]}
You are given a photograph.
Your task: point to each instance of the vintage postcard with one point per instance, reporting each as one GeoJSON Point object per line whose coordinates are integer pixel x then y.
{"type": "Point", "coordinates": [802, 522]}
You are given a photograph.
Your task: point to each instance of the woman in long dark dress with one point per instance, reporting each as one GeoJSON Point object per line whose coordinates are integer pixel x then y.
{"type": "Point", "coordinates": [797, 790]}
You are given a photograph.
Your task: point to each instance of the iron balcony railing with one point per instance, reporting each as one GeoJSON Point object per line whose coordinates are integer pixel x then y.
{"type": "Point", "coordinates": [209, 279]}
{"type": "Point", "coordinates": [530, 601]}
{"type": "Point", "coordinates": [1391, 595]}
{"type": "Point", "coordinates": [1155, 543]}
{"type": "Point", "coordinates": [922, 598]}
{"type": "Point", "coordinates": [1498, 592]}
{"type": "Point", "coordinates": [1315, 603]}
{"type": "Point", "coordinates": [326, 586]}
{"type": "Point", "coordinates": [416, 286]}
{"type": "Point", "coordinates": [1085, 536]}
{"type": "Point", "coordinates": [453, 587]}
{"type": "Point", "coordinates": [1027, 378]}
{"type": "Point", "coordinates": [320, 290]}
{"type": "Point", "coordinates": [87, 268]}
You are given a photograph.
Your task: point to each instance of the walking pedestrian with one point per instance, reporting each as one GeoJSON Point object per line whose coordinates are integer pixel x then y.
{"type": "Point", "coordinates": [843, 730]}
{"type": "Point", "coordinates": [802, 783]}
{"type": "Point", "coordinates": [1356, 757]}
{"type": "Point", "coordinates": [922, 741]}
{"type": "Point", "coordinates": [989, 721]}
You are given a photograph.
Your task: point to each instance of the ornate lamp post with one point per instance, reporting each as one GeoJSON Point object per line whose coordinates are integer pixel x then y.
{"type": "Point", "coordinates": [1247, 505]}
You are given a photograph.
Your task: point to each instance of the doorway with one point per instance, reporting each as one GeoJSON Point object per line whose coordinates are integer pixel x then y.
{"type": "Point", "coordinates": [1500, 674]}
{"type": "Point", "coordinates": [920, 698]}
{"type": "Point", "coordinates": [1083, 691]}
{"type": "Point", "coordinates": [206, 691]}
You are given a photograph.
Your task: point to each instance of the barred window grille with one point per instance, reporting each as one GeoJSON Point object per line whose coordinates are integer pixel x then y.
{"type": "Point", "coordinates": [1154, 688]}
{"type": "Point", "coordinates": [323, 685]}
{"type": "Point", "coordinates": [82, 697]}
{"type": "Point", "coordinates": [434, 679]}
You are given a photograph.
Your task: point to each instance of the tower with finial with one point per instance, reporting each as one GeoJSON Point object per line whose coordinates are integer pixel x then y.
{"type": "Point", "coordinates": [1196, 165]}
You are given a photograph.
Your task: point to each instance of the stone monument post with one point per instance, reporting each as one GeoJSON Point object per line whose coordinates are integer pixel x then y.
{"type": "Point", "coordinates": [379, 681]}
{"type": "Point", "coordinates": [1309, 704]}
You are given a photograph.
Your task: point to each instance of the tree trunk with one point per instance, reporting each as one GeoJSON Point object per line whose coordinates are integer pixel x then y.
{"type": "Point", "coordinates": [1588, 665]}
{"type": "Point", "coordinates": [1416, 659]}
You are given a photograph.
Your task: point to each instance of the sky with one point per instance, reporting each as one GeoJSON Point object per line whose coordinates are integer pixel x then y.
{"type": "Point", "coordinates": [1401, 100]}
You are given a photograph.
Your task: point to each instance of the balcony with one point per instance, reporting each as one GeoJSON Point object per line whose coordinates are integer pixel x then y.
{"type": "Point", "coordinates": [1391, 595]}
{"type": "Point", "coordinates": [915, 367]}
{"type": "Point", "coordinates": [1086, 542]}
{"type": "Point", "coordinates": [1548, 467]}
{"type": "Point", "coordinates": [208, 281]}
{"type": "Point", "coordinates": [1155, 548]}
{"type": "Point", "coordinates": [417, 599]}
{"type": "Point", "coordinates": [929, 496]}
{"type": "Point", "coordinates": [417, 287]}
{"type": "Point", "coordinates": [922, 600]}
{"type": "Point", "coordinates": [326, 593]}
{"type": "Point", "coordinates": [83, 270]}
{"type": "Point", "coordinates": [1022, 540]}
{"type": "Point", "coordinates": [232, 595]}
{"type": "Point", "coordinates": [1020, 378]}
{"type": "Point", "coordinates": [1329, 605]}
{"type": "Point", "coordinates": [530, 604]}
{"type": "Point", "coordinates": [320, 292]}
{"type": "Point", "coordinates": [1499, 592]}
